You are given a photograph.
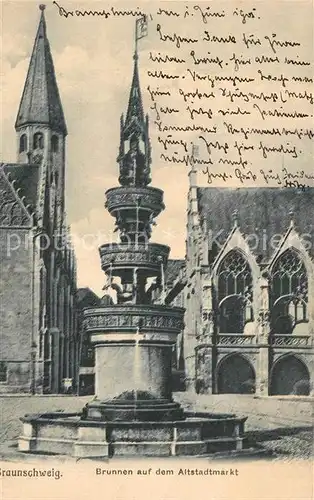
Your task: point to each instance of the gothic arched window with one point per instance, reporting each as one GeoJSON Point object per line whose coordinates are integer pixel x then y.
{"type": "Point", "coordinates": [55, 144]}
{"type": "Point", "coordinates": [38, 141]}
{"type": "Point", "coordinates": [23, 143]}
{"type": "Point", "coordinates": [234, 293]}
{"type": "Point", "coordinates": [289, 292]}
{"type": "Point", "coordinates": [234, 275]}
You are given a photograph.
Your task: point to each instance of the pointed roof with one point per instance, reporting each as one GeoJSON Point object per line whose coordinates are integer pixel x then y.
{"type": "Point", "coordinates": [40, 101]}
{"type": "Point", "coordinates": [173, 269]}
{"type": "Point", "coordinates": [135, 107]}
{"type": "Point", "coordinates": [25, 178]}
{"type": "Point", "coordinates": [15, 209]}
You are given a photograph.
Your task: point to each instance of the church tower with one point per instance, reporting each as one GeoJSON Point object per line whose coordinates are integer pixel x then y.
{"type": "Point", "coordinates": [38, 314]}
{"type": "Point", "coordinates": [40, 123]}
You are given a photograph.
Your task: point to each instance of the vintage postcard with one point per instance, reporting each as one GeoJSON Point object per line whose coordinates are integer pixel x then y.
{"type": "Point", "coordinates": [157, 250]}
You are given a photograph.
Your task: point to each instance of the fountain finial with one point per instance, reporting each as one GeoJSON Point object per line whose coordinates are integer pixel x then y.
{"type": "Point", "coordinates": [235, 215]}
{"type": "Point", "coordinates": [291, 215]}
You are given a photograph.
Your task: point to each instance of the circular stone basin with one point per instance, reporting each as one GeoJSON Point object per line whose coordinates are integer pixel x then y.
{"type": "Point", "coordinates": [121, 256]}
{"type": "Point", "coordinates": [126, 317]}
{"type": "Point", "coordinates": [133, 406]}
{"type": "Point", "coordinates": [126, 198]}
{"type": "Point", "coordinates": [195, 434]}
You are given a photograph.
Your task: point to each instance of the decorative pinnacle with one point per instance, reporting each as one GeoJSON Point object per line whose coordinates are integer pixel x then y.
{"type": "Point", "coordinates": [235, 218]}
{"type": "Point", "coordinates": [42, 7]}
{"type": "Point", "coordinates": [291, 214]}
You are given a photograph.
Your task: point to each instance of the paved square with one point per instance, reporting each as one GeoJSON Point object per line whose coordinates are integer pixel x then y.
{"type": "Point", "coordinates": [282, 425]}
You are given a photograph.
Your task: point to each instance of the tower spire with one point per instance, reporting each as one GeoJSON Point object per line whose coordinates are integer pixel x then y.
{"type": "Point", "coordinates": [135, 113]}
{"type": "Point", "coordinates": [135, 152]}
{"type": "Point", "coordinates": [291, 215]}
{"type": "Point", "coordinates": [235, 216]}
{"type": "Point", "coordinates": [40, 102]}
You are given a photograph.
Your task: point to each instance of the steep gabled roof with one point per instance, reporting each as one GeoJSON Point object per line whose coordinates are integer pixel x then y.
{"type": "Point", "coordinates": [25, 178]}
{"type": "Point", "coordinates": [262, 213]}
{"type": "Point", "coordinates": [173, 269]}
{"type": "Point", "coordinates": [40, 103]}
{"type": "Point", "coordinates": [14, 211]}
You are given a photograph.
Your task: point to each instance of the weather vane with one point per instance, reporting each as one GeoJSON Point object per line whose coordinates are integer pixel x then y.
{"type": "Point", "coordinates": [141, 30]}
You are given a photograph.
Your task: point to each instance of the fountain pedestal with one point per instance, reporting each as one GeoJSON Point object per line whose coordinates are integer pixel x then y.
{"type": "Point", "coordinates": [133, 365]}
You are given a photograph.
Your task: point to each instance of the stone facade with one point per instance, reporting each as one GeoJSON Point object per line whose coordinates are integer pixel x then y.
{"type": "Point", "coordinates": [39, 343]}
{"type": "Point", "coordinates": [249, 293]}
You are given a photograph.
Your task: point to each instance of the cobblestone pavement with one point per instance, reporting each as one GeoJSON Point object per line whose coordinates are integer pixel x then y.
{"type": "Point", "coordinates": [12, 408]}
{"type": "Point", "coordinates": [283, 426]}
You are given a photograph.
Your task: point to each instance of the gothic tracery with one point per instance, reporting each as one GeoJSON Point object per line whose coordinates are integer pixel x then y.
{"type": "Point", "coordinates": [289, 292]}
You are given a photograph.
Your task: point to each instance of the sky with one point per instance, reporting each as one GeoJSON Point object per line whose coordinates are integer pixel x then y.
{"type": "Point", "coordinates": [93, 59]}
{"type": "Point", "coordinates": [94, 67]}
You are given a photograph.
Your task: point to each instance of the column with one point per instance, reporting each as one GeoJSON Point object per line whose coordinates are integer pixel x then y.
{"type": "Point", "coordinates": [204, 382]}
{"type": "Point", "coordinates": [54, 381]}
{"type": "Point", "coordinates": [59, 320]}
{"type": "Point", "coordinates": [206, 337]}
{"type": "Point", "coordinates": [263, 320]}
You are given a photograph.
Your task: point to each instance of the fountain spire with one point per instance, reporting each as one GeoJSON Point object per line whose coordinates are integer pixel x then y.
{"type": "Point", "coordinates": [135, 151]}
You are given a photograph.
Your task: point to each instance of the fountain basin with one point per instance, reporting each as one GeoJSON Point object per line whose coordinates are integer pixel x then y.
{"type": "Point", "coordinates": [154, 319]}
{"type": "Point", "coordinates": [128, 255]}
{"type": "Point", "coordinates": [134, 405]}
{"type": "Point", "coordinates": [198, 434]}
{"type": "Point", "coordinates": [127, 198]}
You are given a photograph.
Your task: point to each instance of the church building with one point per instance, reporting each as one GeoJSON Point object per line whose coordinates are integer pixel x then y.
{"type": "Point", "coordinates": [249, 291]}
{"type": "Point", "coordinates": [39, 344]}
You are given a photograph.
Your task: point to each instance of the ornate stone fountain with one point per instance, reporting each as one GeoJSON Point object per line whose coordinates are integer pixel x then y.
{"type": "Point", "coordinates": [133, 411]}
{"type": "Point", "coordinates": [133, 339]}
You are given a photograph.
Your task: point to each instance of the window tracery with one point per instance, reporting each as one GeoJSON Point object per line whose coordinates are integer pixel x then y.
{"type": "Point", "coordinates": [235, 277]}
{"type": "Point", "coordinates": [234, 293]}
{"type": "Point", "coordinates": [289, 292]}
